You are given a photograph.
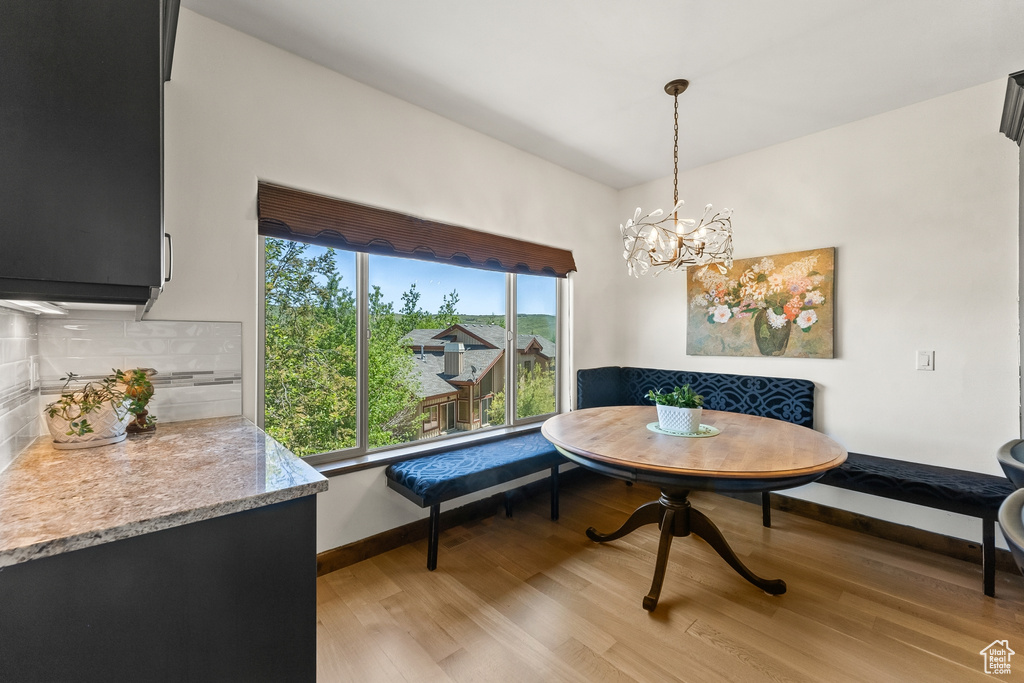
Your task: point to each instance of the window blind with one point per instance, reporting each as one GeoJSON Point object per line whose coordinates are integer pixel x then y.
{"type": "Point", "coordinates": [307, 217]}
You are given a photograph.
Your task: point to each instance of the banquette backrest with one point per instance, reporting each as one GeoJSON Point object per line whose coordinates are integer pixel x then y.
{"type": "Point", "coordinates": [781, 398]}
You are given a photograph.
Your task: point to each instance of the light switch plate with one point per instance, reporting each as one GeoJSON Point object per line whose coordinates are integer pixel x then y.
{"type": "Point", "coordinates": [925, 360]}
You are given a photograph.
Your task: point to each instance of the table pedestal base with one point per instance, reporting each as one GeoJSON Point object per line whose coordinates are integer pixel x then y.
{"type": "Point", "coordinates": [676, 517]}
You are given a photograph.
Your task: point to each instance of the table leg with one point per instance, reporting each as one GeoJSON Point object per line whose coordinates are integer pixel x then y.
{"type": "Point", "coordinates": [706, 529]}
{"type": "Point", "coordinates": [648, 513]}
{"type": "Point", "coordinates": [674, 514]}
{"type": "Point", "coordinates": [668, 522]}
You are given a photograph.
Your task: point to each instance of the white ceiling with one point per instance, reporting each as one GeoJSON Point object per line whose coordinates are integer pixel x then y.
{"type": "Point", "coordinates": [580, 82]}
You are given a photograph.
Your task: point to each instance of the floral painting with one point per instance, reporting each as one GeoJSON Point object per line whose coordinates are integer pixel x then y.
{"type": "Point", "coordinates": [768, 306]}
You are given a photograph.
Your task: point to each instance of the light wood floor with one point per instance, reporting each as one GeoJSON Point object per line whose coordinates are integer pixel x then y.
{"type": "Point", "coordinates": [528, 599]}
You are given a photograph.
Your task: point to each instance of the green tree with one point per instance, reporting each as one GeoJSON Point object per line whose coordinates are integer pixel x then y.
{"type": "Point", "coordinates": [309, 352]}
{"type": "Point", "coordinates": [535, 395]}
{"type": "Point", "coordinates": [448, 314]}
{"type": "Point", "coordinates": [413, 317]}
{"type": "Point", "coordinates": [496, 412]}
{"type": "Point", "coordinates": [535, 392]}
{"type": "Point", "coordinates": [394, 388]}
{"type": "Point", "coordinates": [310, 356]}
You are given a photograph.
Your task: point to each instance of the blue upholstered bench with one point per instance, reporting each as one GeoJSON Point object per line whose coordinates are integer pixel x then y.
{"type": "Point", "coordinates": [792, 400]}
{"type": "Point", "coordinates": [434, 479]}
{"type": "Point", "coordinates": [942, 488]}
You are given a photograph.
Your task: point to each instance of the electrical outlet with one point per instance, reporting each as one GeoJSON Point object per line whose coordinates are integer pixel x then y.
{"type": "Point", "coordinates": [925, 360]}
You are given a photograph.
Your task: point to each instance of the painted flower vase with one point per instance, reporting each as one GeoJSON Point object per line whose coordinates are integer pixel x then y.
{"type": "Point", "coordinates": [771, 341]}
{"type": "Point", "coordinates": [684, 420]}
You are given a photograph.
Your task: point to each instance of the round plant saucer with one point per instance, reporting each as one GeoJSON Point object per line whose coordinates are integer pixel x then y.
{"type": "Point", "coordinates": [705, 430]}
{"type": "Point", "coordinates": [75, 445]}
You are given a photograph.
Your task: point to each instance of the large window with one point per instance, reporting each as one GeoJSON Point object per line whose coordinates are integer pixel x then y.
{"type": "Point", "coordinates": [366, 352]}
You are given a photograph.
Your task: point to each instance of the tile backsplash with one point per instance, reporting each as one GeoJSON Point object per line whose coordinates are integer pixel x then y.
{"type": "Point", "coordinates": [198, 364]}
{"type": "Point", "coordinates": [19, 399]}
{"type": "Point", "coordinates": [198, 367]}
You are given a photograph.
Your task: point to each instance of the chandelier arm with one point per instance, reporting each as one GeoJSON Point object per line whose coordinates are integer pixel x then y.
{"type": "Point", "coordinates": [635, 247]}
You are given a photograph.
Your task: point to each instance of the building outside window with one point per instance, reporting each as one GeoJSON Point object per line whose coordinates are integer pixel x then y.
{"type": "Point", "coordinates": [436, 333]}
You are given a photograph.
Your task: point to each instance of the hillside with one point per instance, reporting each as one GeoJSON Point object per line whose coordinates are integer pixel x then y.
{"type": "Point", "coordinates": [530, 323]}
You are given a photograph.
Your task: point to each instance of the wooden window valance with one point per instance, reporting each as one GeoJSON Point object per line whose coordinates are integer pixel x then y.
{"type": "Point", "coordinates": [307, 217]}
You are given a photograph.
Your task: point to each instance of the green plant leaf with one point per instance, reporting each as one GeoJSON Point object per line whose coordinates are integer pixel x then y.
{"type": "Point", "coordinates": [683, 397]}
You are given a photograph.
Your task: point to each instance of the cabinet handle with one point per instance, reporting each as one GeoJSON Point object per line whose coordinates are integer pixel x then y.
{"type": "Point", "coordinates": [170, 258]}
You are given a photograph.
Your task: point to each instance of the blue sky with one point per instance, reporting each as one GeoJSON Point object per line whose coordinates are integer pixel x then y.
{"type": "Point", "coordinates": [481, 292]}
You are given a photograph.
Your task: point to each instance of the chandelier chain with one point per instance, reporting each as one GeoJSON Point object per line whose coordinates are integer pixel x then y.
{"type": "Point", "coordinates": [675, 155]}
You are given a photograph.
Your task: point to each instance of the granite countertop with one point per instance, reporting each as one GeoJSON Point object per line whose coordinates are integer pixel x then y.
{"type": "Point", "coordinates": [55, 501]}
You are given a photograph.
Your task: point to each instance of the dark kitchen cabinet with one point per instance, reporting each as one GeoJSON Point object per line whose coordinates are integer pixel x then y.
{"type": "Point", "coordinates": [81, 186]}
{"type": "Point", "coordinates": [231, 598]}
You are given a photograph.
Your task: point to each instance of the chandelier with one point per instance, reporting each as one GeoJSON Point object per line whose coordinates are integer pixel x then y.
{"type": "Point", "coordinates": [672, 243]}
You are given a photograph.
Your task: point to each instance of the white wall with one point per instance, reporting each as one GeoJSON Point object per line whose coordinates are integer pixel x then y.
{"type": "Point", "coordinates": [921, 204]}
{"type": "Point", "coordinates": [238, 110]}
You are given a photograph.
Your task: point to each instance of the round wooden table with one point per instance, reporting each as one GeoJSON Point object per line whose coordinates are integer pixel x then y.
{"type": "Point", "coordinates": [750, 454]}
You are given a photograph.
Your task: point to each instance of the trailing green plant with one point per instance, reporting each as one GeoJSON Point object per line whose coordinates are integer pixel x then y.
{"type": "Point", "coordinates": [677, 398]}
{"type": "Point", "coordinates": [75, 404]}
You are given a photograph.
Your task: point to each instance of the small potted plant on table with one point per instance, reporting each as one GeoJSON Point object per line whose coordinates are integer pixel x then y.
{"type": "Point", "coordinates": [94, 414]}
{"type": "Point", "coordinates": [679, 410]}
{"type": "Point", "coordinates": [100, 412]}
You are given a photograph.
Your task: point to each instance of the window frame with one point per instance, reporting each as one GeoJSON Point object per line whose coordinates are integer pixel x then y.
{"type": "Point", "coordinates": [360, 455]}
{"type": "Point", "coordinates": [431, 422]}
{"type": "Point", "coordinates": [511, 376]}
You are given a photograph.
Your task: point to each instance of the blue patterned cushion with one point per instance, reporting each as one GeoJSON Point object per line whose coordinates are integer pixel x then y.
{"type": "Point", "coordinates": [436, 478]}
{"type": "Point", "coordinates": [599, 387]}
{"type": "Point", "coordinates": [781, 398]}
{"type": "Point", "coordinates": [956, 490]}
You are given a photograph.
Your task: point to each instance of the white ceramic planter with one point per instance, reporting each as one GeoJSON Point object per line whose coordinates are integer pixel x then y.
{"type": "Point", "coordinates": [685, 420]}
{"type": "Point", "coordinates": [108, 426]}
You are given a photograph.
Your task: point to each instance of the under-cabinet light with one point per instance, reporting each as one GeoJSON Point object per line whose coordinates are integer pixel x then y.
{"type": "Point", "coordinates": [37, 307]}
